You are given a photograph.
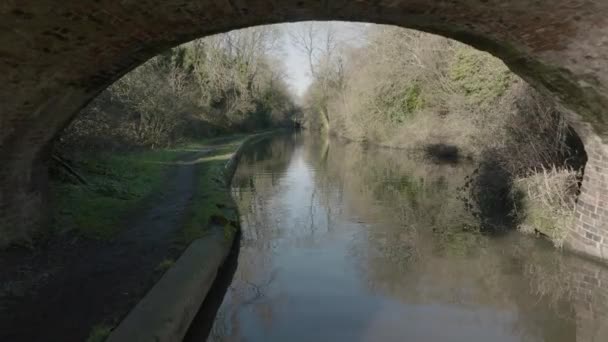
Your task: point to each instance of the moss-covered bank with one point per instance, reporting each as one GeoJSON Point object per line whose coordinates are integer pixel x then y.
{"type": "Point", "coordinates": [119, 184]}
{"type": "Point", "coordinates": [166, 311]}
{"type": "Point", "coordinates": [141, 211]}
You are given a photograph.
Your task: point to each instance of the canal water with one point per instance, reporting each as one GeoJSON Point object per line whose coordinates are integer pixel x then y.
{"type": "Point", "coordinates": [342, 242]}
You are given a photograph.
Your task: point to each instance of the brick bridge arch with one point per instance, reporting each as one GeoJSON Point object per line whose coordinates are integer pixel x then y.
{"type": "Point", "coordinates": [55, 56]}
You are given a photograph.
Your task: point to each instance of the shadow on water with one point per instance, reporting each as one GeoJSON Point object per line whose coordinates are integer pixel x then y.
{"type": "Point", "coordinates": [203, 321]}
{"type": "Point", "coordinates": [442, 153]}
{"type": "Point", "coordinates": [489, 188]}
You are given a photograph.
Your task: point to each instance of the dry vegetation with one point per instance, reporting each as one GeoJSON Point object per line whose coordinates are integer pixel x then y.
{"type": "Point", "coordinates": [220, 84]}
{"type": "Point", "coordinates": [410, 89]}
{"type": "Point", "coordinates": [548, 204]}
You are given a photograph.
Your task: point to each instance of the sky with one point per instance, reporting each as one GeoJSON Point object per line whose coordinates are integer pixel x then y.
{"type": "Point", "coordinates": [296, 61]}
{"type": "Point", "coordinates": [296, 64]}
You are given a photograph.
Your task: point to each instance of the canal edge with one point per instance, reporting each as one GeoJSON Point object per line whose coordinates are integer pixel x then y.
{"type": "Point", "coordinates": [165, 313]}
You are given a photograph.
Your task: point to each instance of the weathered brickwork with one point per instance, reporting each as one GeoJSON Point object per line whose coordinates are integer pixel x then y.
{"type": "Point", "coordinates": [590, 296]}
{"type": "Point", "coordinates": [56, 55]}
{"type": "Point", "coordinates": [589, 234]}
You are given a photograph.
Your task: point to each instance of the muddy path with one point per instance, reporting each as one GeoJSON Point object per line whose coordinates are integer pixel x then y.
{"type": "Point", "coordinates": [61, 291]}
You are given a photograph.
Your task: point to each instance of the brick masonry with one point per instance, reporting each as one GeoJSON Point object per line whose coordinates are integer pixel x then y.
{"type": "Point", "coordinates": [589, 235]}
{"type": "Point", "coordinates": [56, 56]}
{"type": "Point", "coordinates": [589, 284]}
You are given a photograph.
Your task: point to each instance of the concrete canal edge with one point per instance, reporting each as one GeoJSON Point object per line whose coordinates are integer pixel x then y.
{"type": "Point", "coordinates": [167, 310]}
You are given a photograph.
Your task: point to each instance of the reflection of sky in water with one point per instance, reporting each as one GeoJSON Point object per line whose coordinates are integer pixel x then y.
{"type": "Point", "coordinates": [325, 258]}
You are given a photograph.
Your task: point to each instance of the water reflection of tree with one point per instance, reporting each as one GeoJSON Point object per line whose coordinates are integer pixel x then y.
{"type": "Point", "coordinates": [270, 156]}
{"type": "Point", "coordinates": [377, 183]}
{"type": "Point", "coordinates": [418, 213]}
{"type": "Point", "coordinates": [255, 273]}
{"type": "Point", "coordinates": [423, 248]}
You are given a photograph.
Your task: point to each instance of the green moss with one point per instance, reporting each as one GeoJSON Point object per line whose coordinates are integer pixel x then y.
{"type": "Point", "coordinates": [212, 203]}
{"type": "Point", "coordinates": [164, 265]}
{"type": "Point", "coordinates": [99, 333]}
{"type": "Point", "coordinates": [413, 99]}
{"type": "Point", "coordinates": [116, 184]}
{"type": "Point", "coordinates": [119, 183]}
{"type": "Point", "coordinates": [399, 104]}
{"type": "Point", "coordinates": [479, 76]}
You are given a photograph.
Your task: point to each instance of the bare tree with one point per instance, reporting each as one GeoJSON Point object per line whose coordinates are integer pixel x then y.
{"type": "Point", "coordinates": [319, 43]}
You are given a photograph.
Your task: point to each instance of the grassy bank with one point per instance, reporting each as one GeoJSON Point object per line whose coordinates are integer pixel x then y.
{"type": "Point", "coordinates": [121, 186]}
{"type": "Point", "coordinates": [212, 203]}
{"type": "Point", "coordinates": [120, 183]}
{"type": "Point", "coordinates": [116, 184]}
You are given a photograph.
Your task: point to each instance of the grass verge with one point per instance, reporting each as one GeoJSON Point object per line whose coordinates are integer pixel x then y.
{"type": "Point", "coordinates": [118, 183]}
{"type": "Point", "coordinates": [127, 179]}
{"type": "Point", "coordinates": [212, 203]}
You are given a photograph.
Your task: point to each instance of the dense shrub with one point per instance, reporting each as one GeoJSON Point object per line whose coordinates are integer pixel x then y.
{"type": "Point", "coordinates": [225, 83]}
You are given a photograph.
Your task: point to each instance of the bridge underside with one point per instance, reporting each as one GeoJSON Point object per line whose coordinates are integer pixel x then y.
{"type": "Point", "coordinates": [56, 56]}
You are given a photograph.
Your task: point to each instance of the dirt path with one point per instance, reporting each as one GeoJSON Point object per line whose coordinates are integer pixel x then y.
{"type": "Point", "coordinates": [58, 293]}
